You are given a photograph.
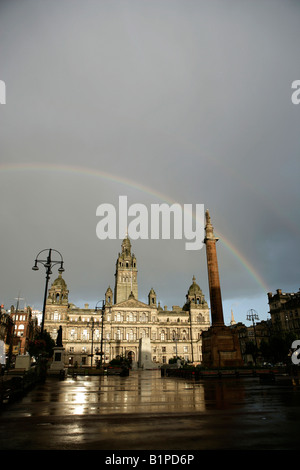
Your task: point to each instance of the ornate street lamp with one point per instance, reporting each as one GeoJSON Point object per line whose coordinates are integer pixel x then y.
{"type": "Point", "coordinates": [48, 264]}
{"type": "Point", "coordinates": [102, 321]}
{"type": "Point", "coordinates": [251, 316]}
{"type": "Point", "coordinates": [175, 339]}
{"type": "Point", "coordinates": [93, 323]}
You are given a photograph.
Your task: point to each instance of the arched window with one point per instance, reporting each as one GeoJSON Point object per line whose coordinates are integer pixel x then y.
{"type": "Point", "coordinates": [20, 330]}
{"type": "Point", "coordinates": [84, 335]}
{"type": "Point", "coordinates": [56, 315]}
{"type": "Point", "coordinates": [72, 334]}
{"type": "Point", "coordinates": [130, 335]}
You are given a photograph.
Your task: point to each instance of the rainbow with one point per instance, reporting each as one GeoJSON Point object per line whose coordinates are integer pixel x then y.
{"type": "Point", "coordinates": [37, 167]}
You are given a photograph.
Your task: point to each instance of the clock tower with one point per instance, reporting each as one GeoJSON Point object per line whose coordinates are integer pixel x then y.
{"type": "Point", "coordinates": [126, 273]}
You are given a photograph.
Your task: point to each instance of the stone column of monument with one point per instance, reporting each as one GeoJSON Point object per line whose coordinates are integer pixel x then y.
{"type": "Point", "coordinates": [220, 344]}
{"type": "Point", "coordinates": [213, 274]}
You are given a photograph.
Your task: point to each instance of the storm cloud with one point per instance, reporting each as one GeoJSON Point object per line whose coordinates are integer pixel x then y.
{"type": "Point", "coordinates": [160, 101]}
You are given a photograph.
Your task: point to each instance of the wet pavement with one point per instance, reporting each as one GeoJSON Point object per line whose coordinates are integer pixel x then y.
{"type": "Point", "coordinates": [146, 411]}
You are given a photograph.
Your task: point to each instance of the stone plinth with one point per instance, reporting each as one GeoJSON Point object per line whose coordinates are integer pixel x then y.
{"type": "Point", "coordinates": [23, 362]}
{"type": "Point", "coordinates": [145, 361]}
{"type": "Point", "coordinates": [58, 362]}
{"type": "Point", "coordinates": [221, 348]}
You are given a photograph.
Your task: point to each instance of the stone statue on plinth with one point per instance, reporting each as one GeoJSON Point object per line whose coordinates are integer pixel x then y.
{"type": "Point", "coordinates": [59, 338]}
{"type": "Point", "coordinates": [58, 362]}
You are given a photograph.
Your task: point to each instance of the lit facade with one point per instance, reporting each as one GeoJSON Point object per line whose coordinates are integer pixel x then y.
{"type": "Point", "coordinates": [176, 332]}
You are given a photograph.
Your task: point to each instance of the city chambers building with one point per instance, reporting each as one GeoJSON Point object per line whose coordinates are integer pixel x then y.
{"type": "Point", "coordinates": [116, 328]}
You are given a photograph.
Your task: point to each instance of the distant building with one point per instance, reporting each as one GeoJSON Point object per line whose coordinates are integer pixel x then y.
{"type": "Point", "coordinates": [176, 332]}
{"type": "Point", "coordinates": [25, 329]}
{"type": "Point", "coordinates": [285, 311]}
{"type": "Point", "coordinates": [6, 332]}
{"type": "Point", "coordinates": [255, 334]}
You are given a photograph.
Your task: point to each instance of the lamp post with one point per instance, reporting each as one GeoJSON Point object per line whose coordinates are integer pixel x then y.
{"type": "Point", "coordinates": [92, 350]}
{"type": "Point", "coordinates": [48, 263]}
{"type": "Point", "coordinates": [175, 339]}
{"type": "Point", "coordinates": [102, 321]}
{"type": "Point", "coordinates": [251, 316]}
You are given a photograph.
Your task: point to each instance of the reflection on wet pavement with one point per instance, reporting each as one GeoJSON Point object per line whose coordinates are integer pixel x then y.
{"type": "Point", "coordinates": [147, 411]}
{"type": "Point", "coordinates": [141, 392]}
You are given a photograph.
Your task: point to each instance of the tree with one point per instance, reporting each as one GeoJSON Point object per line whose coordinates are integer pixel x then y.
{"type": "Point", "coordinates": [251, 349]}
{"type": "Point", "coordinates": [42, 345]}
{"type": "Point", "coordinates": [279, 346]}
{"type": "Point", "coordinates": [120, 360]}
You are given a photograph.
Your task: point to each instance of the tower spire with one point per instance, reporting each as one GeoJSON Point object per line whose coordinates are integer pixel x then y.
{"type": "Point", "coordinates": [126, 273]}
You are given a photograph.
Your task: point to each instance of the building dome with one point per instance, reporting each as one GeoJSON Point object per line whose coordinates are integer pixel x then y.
{"type": "Point", "coordinates": [195, 297]}
{"type": "Point", "coordinates": [59, 282]}
{"type": "Point", "coordinates": [194, 288]}
{"type": "Point", "coordinates": [126, 245]}
{"type": "Point", "coordinates": [58, 292]}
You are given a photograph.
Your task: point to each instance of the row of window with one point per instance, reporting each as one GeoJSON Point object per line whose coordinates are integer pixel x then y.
{"type": "Point", "coordinates": [20, 330]}
{"type": "Point", "coordinates": [130, 335]}
{"type": "Point", "coordinates": [20, 317]}
{"type": "Point", "coordinates": [119, 336]}
{"type": "Point", "coordinates": [119, 318]}
{"type": "Point", "coordinates": [292, 314]}
{"type": "Point", "coordinates": [85, 350]}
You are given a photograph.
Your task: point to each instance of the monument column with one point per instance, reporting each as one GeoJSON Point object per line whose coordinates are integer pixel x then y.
{"type": "Point", "coordinates": [220, 344]}
{"type": "Point", "coordinates": [213, 274]}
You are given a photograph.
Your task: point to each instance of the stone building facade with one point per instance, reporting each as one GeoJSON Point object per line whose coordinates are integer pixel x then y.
{"type": "Point", "coordinates": [124, 320]}
{"type": "Point", "coordinates": [25, 329]}
{"type": "Point", "coordinates": [255, 334]}
{"type": "Point", "coordinates": [285, 311]}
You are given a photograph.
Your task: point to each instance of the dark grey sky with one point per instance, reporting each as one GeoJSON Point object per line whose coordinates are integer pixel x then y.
{"type": "Point", "coordinates": [186, 101]}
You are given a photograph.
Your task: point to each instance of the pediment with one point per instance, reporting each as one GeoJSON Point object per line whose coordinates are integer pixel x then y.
{"type": "Point", "coordinates": [132, 303]}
